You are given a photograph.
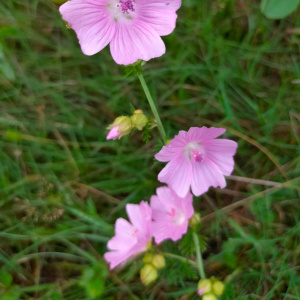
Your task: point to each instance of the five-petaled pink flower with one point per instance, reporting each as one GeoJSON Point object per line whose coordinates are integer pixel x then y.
{"type": "Point", "coordinates": [170, 214]}
{"type": "Point", "coordinates": [132, 27]}
{"type": "Point", "coordinates": [130, 239]}
{"type": "Point", "coordinates": [197, 160]}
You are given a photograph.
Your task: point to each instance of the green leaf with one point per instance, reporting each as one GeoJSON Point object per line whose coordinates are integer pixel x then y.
{"type": "Point", "coordinates": [7, 31]}
{"type": "Point", "coordinates": [93, 279]}
{"type": "Point", "coordinates": [13, 294]}
{"type": "Point", "coordinates": [5, 278]}
{"type": "Point", "coordinates": [278, 9]}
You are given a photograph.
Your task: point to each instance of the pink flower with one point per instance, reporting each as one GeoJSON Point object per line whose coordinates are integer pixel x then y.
{"type": "Point", "coordinates": [132, 27]}
{"type": "Point", "coordinates": [171, 214]}
{"type": "Point", "coordinates": [197, 160]}
{"type": "Point", "coordinates": [113, 133]}
{"type": "Point", "coordinates": [130, 238]}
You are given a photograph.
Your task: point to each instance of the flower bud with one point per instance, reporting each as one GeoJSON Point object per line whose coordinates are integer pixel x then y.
{"type": "Point", "coordinates": [209, 296]}
{"type": "Point", "coordinates": [195, 220]}
{"type": "Point", "coordinates": [113, 133]}
{"type": "Point", "coordinates": [158, 261]}
{"type": "Point", "coordinates": [120, 127]}
{"type": "Point", "coordinates": [204, 286]}
{"type": "Point", "coordinates": [148, 274]}
{"type": "Point", "coordinates": [147, 259]}
{"type": "Point", "coordinates": [218, 287]}
{"type": "Point", "coordinates": [138, 119]}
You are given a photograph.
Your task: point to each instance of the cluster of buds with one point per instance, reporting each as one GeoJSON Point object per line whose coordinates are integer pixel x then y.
{"type": "Point", "coordinates": [124, 125]}
{"type": "Point", "coordinates": [210, 289]}
{"type": "Point", "coordinates": [153, 262]}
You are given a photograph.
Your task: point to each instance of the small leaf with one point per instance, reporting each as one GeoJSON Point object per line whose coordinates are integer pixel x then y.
{"type": "Point", "coordinates": [5, 278]}
{"type": "Point", "coordinates": [13, 294]}
{"type": "Point", "coordinates": [93, 279]}
{"type": "Point", "coordinates": [278, 9]}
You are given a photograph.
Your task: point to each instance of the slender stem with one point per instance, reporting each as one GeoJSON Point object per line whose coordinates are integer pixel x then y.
{"type": "Point", "coordinates": [199, 256]}
{"type": "Point", "coordinates": [183, 259]}
{"type": "Point", "coordinates": [153, 107]}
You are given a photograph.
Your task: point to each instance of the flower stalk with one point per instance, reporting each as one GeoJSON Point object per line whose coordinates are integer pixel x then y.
{"type": "Point", "coordinates": [199, 256]}
{"type": "Point", "coordinates": [153, 107]}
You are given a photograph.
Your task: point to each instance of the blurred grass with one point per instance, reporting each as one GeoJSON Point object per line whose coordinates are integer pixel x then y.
{"type": "Point", "coordinates": [62, 185]}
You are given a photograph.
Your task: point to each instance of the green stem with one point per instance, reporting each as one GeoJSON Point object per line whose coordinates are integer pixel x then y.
{"type": "Point", "coordinates": [199, 256]}
{"type": "Point", "coordinates": [183, 259]}
{"type": "Point", "coordinates": [153, 107]}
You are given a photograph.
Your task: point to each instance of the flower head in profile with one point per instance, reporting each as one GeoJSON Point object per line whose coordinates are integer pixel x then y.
{"type": "Point", "coordinates": [132, 27]}
{"type": "Point", "coordinates": [130, 238]}
{"type": "Point", "coordinates": [170, 214]}
{"type": "Point", "coordinates": [197, 159]}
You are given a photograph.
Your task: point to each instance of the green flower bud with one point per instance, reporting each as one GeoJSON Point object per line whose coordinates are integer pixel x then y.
{"type": "Point", "coordinates": [209, 296]}
{"type": "Point", "coordinates": [138, 119]}
{"type": "Point", "coordinates": [123, 124]}
{"type": "Point", "coordinates": [204, 286]}
{"type": "Point", "coordinates": [195, 220]}
{"type": "Point", "coordinates": [218, 287]}
{"type": "Point", "coordinates": [148, 274]}
{"type": "Point", "coordinates": [158, 261]}
{"type": "Point", "coordinates": [147, 259]}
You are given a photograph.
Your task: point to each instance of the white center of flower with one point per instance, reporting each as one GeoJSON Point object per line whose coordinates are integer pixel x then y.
{"type": "Point", "coordinates": [177, 217]}
{"type": "Point", "coordinates": [193, 151]}
{"type": "Point", "coordinates": [122, 9]}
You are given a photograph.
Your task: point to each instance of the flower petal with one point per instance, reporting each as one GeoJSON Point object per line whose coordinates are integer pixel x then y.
{"type": "Point", "coordinates": [206, 174]}
{"type": "Point", "coordinates": [140, 216]}
{"type": "Point", "coordinates": [92, 22]}
{"type": "Point", "coordinates": [196, 134]}
{"type": "Point", "coordinates": [177, 173]}
{"type": "Point", "coordinates": [123, 238]}
{"type": "Point", "coordinates": [135, 40]}
{"type": "Point", "coordinates": [221, 153]}
{"type": "Point", "coordinates": [160, 14]}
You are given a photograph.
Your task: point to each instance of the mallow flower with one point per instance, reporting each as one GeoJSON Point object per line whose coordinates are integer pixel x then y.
{"type": "Point", "coordinates": [132, 27]}
{"type": "Point", "coordinates": [130, 238]}
{"type": "Point", "coordinates": [197, 159]}
{"type": "Point", "coordinates": [170, 214]}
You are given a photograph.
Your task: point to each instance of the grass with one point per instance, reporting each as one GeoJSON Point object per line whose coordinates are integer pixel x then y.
{"type": "Point", "coordinates": [62, 186]}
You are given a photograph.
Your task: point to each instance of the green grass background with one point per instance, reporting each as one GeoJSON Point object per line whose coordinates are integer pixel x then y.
{"type": "Point", "coordinates": [62, 185]}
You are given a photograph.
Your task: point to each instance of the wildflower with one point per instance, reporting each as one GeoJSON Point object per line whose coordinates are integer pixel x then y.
{"type": "Point", "coordinates": [130, 238]}
{"type": "Point", "coordinates": [120, 127]}
{"type": "Point", "coordinates": [132, 27]}
{"type": "Point", "coordinates": [171, 214]}
{"type": "Point", "coordinates": [148, 274]}
{"type": "Point", "coordinates": [197, 160]}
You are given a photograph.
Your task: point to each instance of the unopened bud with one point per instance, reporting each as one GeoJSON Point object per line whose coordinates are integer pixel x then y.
{"type": "Point", "coordinates": [120, 127]}
{"type": "Point", "coordinates": [158, 261]}
{"type": "Point", "coordinates": [147, 259]}
{"type": "Point", "coordinates": [148, 274]}
{"type": "Point", "coordinates": [218, 287]}
{"type": "Point", "coordinates": [138, 119]}
{"type": "Point", "coordinates": [195, 220]}
{"type": "Point", "coordinates": [209, 296]}
{"type": "Point", "coordinates": [204, 286]}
